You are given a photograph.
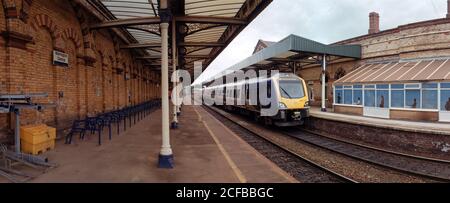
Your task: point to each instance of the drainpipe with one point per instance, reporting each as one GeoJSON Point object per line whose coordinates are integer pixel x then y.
{"type": "Point", "coordinates": [324, 94]}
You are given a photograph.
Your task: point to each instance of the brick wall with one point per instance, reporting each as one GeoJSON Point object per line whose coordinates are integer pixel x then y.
{"type": "Point", "coordinates": [312, 75]}
{"type": "Point", "coordinates": [409, 142]}
{"type": "Point", "coordinates": [3, 68]}
{"type": "Point", "coordinates": [92, 83]}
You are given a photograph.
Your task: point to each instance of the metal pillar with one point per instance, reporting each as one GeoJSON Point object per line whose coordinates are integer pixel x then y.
{"type": "Point", "coordinates": [324, 71]}
{"type": "Point", "coordinates": [166, 154]}
{"type": "Point", "coordinates": [17, 131]}
{"type": "Point", "coordinates": [174, 64]}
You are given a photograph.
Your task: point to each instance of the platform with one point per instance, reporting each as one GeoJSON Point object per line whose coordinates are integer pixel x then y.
{"type": "Point", "coordinates": [205, 152]}
{"type": "Point", "coordinates": [419, 127]}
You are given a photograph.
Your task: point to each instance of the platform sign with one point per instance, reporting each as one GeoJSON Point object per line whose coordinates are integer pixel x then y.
{"type": "Point", "coordinates": [60, 58]}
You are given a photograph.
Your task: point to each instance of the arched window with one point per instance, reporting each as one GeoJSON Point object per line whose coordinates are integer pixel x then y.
{"type": "Point", "coordinates": [340, 73]}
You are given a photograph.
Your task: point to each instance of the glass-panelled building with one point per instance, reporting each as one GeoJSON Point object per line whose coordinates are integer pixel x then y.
{"type": "Point", "coordinates": [415, 90]}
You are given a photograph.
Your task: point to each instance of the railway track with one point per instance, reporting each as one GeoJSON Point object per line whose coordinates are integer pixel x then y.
{"type": "Point", "coordinates": [300, 167]}
{"type": "Point", "coordinates": [434, 169]}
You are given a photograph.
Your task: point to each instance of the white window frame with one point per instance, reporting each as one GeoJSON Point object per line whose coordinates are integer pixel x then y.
{"type": "Point", "coordinates": [334, 95]}
{"type": "Point", "coordinates": [413, 88]}
{"type": "Point", "coordinates": [343, 91]}
{"type": "Point", "coordinates": [440, 89]}
{"type": "Point", "coordinates": [404, 96]}
{"type": "Point", "coordinates": [382, 89]}
{"type": "Point", "coordinates": [407, 86]}
{"type": "Point", "coordinates": [374, 88]}
{"type": "Point", "coordinates": [353, 94]}
{"type": "Point", "coordinates": [438, 94]}
{"type": "Point", "coordinates": [347, 87]}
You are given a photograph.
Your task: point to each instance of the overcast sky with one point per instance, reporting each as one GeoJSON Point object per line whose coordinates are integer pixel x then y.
{"type": "Point", "coordinates": [325, 21]}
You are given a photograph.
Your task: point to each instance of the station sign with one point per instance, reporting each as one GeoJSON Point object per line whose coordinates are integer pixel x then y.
{"type": "Point", "coordinates": [60, 58]}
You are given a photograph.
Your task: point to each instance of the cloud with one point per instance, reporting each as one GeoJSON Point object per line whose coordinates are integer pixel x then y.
{"type": "Point", "coordinates": [326, 21]}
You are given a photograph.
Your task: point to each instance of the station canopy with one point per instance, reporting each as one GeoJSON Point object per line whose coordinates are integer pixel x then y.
{"type": "Point", "coordinates": [203, 27]}
{"type": "Point", "coordinates": [406, 71]}
{"type": "Point", "coordinates": [298, 50]}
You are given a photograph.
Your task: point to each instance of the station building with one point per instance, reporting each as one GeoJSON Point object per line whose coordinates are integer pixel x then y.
{"type": "Point", "coordinates": [78, 65]}
{"type": "Point", "coordinates": [404, 73]}
{"type": "Point", "coordinates": [98, 75]}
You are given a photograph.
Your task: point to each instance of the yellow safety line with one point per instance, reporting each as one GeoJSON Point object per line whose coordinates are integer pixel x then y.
{"type": "Point", "coordinates": [274, 166]}
{"type": "Point", "coordinates": [233, 165]}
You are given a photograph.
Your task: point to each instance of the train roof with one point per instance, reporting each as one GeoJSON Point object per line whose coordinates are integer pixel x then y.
{"type": "Point", "coordinates": [256, 80]}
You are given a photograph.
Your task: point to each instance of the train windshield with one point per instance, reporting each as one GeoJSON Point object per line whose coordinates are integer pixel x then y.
{"type": "Point", "coordinates": [291, 89]}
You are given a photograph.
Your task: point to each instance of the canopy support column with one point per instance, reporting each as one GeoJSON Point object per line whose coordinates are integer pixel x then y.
{"type": "Point", "coordinates": [324, 83]}
{"type": "Point", "coordinates": [175, 80]}
{"type": "Point", "coordinates": [166, 154]}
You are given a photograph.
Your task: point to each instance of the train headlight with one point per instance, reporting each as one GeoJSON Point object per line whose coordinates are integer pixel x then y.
{"type": "Point", "coordinates": [281, 105]}
{"type": "Point", "coordinates": [307, 104]}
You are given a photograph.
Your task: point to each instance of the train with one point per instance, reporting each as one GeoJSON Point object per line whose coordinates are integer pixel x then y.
{"type": "Point", "coordinates": [287, 91]}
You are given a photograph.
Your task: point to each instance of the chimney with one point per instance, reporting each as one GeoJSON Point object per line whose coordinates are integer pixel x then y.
{"type": "Point", "coordinates": [375, 22]}
{"type": "Point", "coordinates": [448, 8]}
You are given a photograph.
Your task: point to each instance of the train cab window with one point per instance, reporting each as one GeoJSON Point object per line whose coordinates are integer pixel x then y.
{"type": "Point", "coordinates": [291, 89]}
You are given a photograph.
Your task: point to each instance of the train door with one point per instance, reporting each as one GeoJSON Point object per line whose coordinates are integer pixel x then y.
{"type": "Point", "coordinates": [267, 96]}
{"type": "Point", "coordinates": [224, 95]}
{"type": "Point", "coordinates": [247, 94]}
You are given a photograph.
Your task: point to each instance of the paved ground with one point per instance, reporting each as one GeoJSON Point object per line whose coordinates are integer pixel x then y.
{"type": "Point", "coordinates": [204, 149]}
{"type": "Point", "coordinates": [424, 127]}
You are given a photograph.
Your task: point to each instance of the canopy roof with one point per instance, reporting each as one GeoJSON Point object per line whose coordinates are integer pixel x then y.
{"type": "Point", "coordinates": [295, 49]}
{"type": "Point", "coordinates": [204, 27]}
{"type": "Point", "coordinates": [422, 70]}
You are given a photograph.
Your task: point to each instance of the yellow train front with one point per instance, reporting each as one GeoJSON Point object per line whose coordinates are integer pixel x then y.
{"type": "Point", "coordinates": [286, 94]}
{"type": "Point", "coordinates": [293, 101]}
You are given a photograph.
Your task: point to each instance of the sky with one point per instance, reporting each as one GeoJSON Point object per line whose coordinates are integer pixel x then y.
{"type": "Point", "coordinates": [325, 21]}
